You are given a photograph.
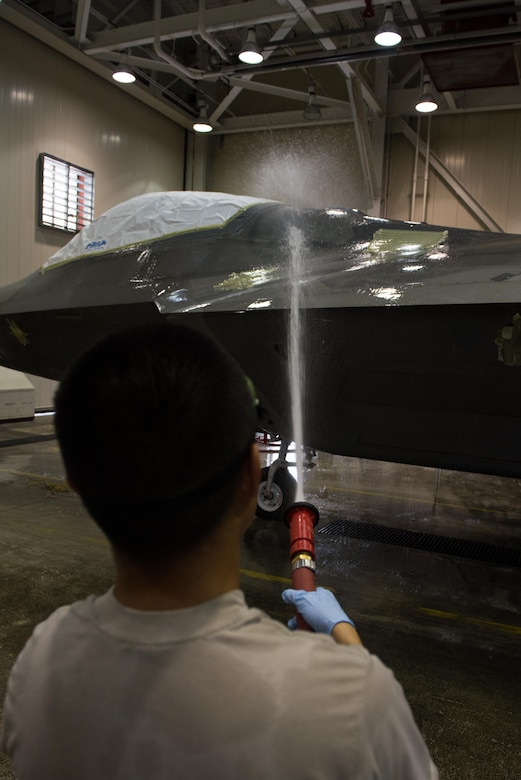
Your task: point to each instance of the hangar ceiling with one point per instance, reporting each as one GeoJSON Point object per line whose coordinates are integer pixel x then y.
{"type": "Point", "coordinates": [184, 54]}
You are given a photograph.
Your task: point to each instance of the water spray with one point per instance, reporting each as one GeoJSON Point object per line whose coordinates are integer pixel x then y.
{"type": "Point", "coordinates": [301, 519]}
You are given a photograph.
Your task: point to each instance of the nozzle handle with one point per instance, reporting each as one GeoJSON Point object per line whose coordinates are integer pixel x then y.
{"type": "Point", "coordinates": [301, 519]}
{"type": "Point", "coordinates": [303, 578]}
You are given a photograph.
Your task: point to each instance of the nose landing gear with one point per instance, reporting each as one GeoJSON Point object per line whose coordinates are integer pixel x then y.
{"type": "Point", "coordinates": [277, 488]}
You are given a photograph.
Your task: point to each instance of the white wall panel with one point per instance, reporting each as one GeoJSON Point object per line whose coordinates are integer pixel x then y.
{"type": "Point", "coordinates": [400, 167]}
{"type": "Point", "coordinates": [306, 167]}
{"type": "Point", "coordinates": [50, 104]}
{"type": "Point", "coordinates": [482, 150]}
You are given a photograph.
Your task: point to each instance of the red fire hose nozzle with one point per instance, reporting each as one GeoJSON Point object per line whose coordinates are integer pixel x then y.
{"type": "Point", "coordinates": [301, 519]}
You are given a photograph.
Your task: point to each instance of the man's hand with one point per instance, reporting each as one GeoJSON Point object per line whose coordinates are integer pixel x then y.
{"type": "Point", "coordinates": [322, 613]}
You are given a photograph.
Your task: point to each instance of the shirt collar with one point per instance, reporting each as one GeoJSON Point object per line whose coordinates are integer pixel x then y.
{"type": "Point", "coordinates": [156, 627]}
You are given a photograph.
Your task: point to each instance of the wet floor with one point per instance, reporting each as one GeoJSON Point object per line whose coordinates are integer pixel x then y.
{"type": "Point", "coordinates": [449, 626]}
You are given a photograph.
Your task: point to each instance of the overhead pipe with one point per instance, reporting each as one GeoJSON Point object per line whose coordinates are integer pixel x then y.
{"type": "Point", "coordinates": [205, 35]}
{"type": "Point", "coordinates": [368, 11]}
{"type": "Point", "coordinates": [363, 53]}
{"type": "Point", "coordinates": [187, 74]}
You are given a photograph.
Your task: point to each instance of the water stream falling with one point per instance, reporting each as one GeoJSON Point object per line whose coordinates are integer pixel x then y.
{"type": "Point", "coordinates": [296, 253]}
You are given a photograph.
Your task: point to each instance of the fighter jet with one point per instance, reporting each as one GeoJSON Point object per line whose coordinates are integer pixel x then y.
{"type": "Point", "coordinates": [411, 333]}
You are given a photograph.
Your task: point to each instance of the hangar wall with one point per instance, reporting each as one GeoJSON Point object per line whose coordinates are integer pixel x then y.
{"type": "Point", "coordinates": [320, 166]}
{"type": "Point", "coordinates": [305, 167]}
{"type": "Point", "coordinates": [481, 150]}
{"type": "Point", "coordinates": [50, 104]}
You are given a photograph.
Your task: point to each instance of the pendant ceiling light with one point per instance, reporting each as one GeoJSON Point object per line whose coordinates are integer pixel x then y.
{"type": "Point", "coordinates": [202, 123]}
{"type": "Point", "coordinates": [387, 34]}
{"type": "Point", "coordinates": [122, 73]}
{"type": "Point", "coordinates": [251, 53]}
{"type": "Point", "coordinates": [427, 102]}
{"type": "Point", "coordinates": [312, 111]}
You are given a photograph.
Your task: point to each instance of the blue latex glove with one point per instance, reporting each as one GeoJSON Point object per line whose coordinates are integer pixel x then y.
{"type": "Point", "coordinates": [319, 608]}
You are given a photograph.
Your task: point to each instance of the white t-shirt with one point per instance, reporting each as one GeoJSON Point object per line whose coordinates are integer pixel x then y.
{"type": "Point", "coordinates": [220, 690]}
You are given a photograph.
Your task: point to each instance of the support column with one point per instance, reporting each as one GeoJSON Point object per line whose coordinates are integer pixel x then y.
{"type": "Point", "coordinates": [196, 162]}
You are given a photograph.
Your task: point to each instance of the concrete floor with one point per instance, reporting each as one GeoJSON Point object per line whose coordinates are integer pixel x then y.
{"type": "Point", "coordinates": [449, 627]}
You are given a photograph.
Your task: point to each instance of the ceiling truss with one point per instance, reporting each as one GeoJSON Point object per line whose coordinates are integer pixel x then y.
{"type": "Point", "coordinates": [184, 53]}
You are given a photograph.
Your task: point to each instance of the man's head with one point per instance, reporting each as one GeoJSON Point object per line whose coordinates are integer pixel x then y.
{"type": "Point", "coordinates": [154, 425]}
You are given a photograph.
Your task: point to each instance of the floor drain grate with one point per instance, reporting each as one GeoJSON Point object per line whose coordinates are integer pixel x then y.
{"type": "Point", "coordinates": [417, 540]}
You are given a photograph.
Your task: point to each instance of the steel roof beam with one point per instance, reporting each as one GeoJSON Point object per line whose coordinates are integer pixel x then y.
{"type": "Point", "coordinates": [283, 92]}
{"type": "Point", "coordinates": [284, 30]}
{"type": "Point", "coordinates": [329, 45]}
{"type": "Point", "coordinates": [82, 18]}
{"type": "Point", "coordinates": [228, 17]}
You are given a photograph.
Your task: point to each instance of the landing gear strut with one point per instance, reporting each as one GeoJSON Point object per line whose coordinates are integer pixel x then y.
{"type": "Point", "coordinates": [277, 488]}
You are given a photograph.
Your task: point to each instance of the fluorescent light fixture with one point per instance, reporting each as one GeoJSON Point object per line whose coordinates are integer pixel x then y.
{"type": "Point", "coordinates": [387, 34]}
{"type": "Point", "coordinates": [251, 53]}
{"type": "Point", "coordinates": [123, 74]}
{"type": "Point", "coordinates": [202, 123]}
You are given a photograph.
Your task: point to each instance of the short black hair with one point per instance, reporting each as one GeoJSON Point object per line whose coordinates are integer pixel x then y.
{"type": "Point", "coordinates": [154, 423]}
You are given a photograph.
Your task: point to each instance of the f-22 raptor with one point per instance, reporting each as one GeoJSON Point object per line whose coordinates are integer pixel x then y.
{"type": "Point", "coordinates": [411, 332]}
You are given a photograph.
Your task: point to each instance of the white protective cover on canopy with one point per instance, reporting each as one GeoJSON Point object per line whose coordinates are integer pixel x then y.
{"type": "Point", "coordinates": [152, 216]}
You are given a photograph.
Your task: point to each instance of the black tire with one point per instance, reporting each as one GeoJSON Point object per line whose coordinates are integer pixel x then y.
{"type": "Point", "coordinates": [288, 487]}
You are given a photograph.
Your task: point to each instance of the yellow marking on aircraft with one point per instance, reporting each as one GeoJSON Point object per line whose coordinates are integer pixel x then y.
{"type": "Point", "coordinates": [17, 332]}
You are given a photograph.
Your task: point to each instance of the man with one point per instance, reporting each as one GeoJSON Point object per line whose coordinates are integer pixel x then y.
{"type": "Point", "coordinates": [170, 674]}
